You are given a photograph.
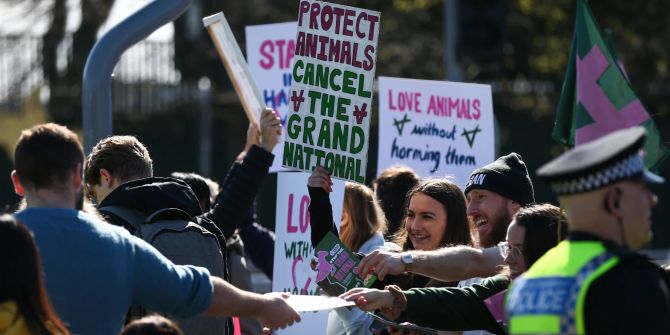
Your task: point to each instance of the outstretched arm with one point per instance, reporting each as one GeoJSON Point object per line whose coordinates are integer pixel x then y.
{"type": "Point", "coordinates": [446, 264]}
{"type": "Point", "coordinates": [271, 309]}
{"type": "Point", "coordinates": [369, 299]}
{"type": "Point", "coordinates": [449, 308]}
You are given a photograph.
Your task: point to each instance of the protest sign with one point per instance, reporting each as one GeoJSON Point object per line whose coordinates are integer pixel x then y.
{"type": "Point", "coordinates": [236, 67]}
{"type": "Point", "coordinates": [437, 128]}
{"type": "Point", "coordinates": [270, 49]}
{"type": "Point", "coordinates": [331, 95]}
{"type": "Point", "coordinates": [293, 247]}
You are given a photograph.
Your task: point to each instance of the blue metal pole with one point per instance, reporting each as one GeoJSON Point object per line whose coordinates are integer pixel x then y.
{"type": "Point", "coordinates": [97, 81]}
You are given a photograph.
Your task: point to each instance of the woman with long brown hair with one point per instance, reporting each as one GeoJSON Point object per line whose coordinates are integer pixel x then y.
{"type": "Point", "coordinates": [362, 217]}
{"type": "Point", "coordinates": [435, 218]}
{"type": "Point", "coordinates": [24, 305]}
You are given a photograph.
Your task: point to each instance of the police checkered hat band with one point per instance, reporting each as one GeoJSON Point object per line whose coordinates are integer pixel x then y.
{"type": "Point", "coordinates": [626, 168]}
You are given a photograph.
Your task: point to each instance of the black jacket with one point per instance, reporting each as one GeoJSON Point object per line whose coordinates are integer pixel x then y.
{"type": "Point", "coordinates": [234, 200]}
{"type": "Point", "coordinates": [630, 298]}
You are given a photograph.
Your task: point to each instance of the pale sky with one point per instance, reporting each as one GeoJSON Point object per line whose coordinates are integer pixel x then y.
{"type": "Point", "coordinates": [25, 17]}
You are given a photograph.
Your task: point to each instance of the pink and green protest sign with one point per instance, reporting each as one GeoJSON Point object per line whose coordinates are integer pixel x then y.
{"type": "Point", "coordinates": [330, 104]}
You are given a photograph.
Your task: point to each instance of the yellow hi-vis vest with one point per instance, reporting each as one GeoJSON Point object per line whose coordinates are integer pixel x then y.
{"type": "Point", "coordinates": [549, 297]}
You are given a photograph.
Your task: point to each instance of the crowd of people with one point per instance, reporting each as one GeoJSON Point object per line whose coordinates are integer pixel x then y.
{"type": "Point", "coordinates": [100, 245]}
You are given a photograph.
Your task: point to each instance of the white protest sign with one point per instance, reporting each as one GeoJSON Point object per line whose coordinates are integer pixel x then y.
{"type": "Point", "coordinates": [270, 49]}
{"type": "Point", "coordinates": [331, 95]}
{"type": "Point", "coordinates": [437, 128]}
{"type": "Point", "coordinates": [293, 247]}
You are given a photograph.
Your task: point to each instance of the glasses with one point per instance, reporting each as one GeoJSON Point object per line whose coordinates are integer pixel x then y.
{"type": "Point", "coordinates": [507, 249]}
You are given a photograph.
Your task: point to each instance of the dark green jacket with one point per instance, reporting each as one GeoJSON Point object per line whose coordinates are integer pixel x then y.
{"type": "Point", "coordinates": [452, 308]}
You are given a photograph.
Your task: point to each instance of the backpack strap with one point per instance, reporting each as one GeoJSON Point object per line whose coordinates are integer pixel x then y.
{"type": "Point", "coordinates": [130, 215]}
{"type": "Point", "coordinates": [169, 214]}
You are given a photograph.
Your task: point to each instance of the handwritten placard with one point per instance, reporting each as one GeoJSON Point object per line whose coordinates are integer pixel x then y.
{"type": "Point", "coordinates": [437, 128]}
{"type": "Point", "coordinates": [293, 247]}
{"type": "Point", "coordinates": [270, 50]}
{"type": "Point", "coordinates": [331, 95]}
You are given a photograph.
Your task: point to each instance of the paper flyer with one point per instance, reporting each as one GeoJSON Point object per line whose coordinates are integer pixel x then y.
{"type": "Point", "coordinates": [335, 264]}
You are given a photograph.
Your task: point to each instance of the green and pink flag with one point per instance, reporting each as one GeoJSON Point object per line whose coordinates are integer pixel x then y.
{"type": "Point", "coordinates": [597, 97]}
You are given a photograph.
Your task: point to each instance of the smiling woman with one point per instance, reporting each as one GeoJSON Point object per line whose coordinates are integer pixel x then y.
{"type": "Point", "coordinates": [436, 217]}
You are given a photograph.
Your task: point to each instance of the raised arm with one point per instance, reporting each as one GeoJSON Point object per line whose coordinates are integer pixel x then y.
{"type": "Point", "coordinates": [244, 179]}
{"type": "Point", "coordinates": [446, 264]}
{"type": "Point", "coordinates": [320, 209]}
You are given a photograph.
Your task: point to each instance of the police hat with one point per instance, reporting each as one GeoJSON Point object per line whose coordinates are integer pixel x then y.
{"type": "Point", "coordinates": [607, 160]}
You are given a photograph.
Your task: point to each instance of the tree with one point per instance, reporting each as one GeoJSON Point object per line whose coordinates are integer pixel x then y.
{"type": "Point", "coordinates": [65, 87]}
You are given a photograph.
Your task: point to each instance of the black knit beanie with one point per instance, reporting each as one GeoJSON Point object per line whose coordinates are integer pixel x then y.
{"type": "Point", "coordinates": [506, 176]}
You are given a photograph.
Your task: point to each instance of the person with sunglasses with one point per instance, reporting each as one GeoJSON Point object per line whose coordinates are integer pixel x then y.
{"type": "Point", "coordinates": [533, 231]}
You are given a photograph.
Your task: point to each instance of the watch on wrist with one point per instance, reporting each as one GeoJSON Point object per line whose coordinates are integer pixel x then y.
{"type": "Point", "coordinates": [408, 260]}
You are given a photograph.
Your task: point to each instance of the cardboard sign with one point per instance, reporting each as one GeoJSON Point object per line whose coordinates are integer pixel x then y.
{"type": "Point", "coordinates": [270, 49]}
{"type": "Point", "coordinates": [233, 60]}
{"type": "Point", "coordinates": [293, 248]}
{"type": "Point", "coordinates": [331, 95]}
{"type": "Point", "coordinates": [437, 128]}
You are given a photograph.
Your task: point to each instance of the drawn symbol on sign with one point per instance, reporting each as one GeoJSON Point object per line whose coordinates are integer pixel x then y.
{"type": "Point", "coordinates": [360, 113]}
{"type": "Point", "coordinates": [470, 135]}
{"type": "Point", "coordinates": [400, 124]}
{"type": "Point", "coordinates": [295, 282]}
{"type": "Point", "coordinates": [297, 99]}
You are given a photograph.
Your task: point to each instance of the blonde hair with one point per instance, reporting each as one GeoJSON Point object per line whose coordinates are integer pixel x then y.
{"type": "Point", "coordinates": [365, 216]}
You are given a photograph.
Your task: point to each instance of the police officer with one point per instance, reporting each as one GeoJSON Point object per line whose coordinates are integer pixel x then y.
{"type": "Point", "coordinates": [594, 282]}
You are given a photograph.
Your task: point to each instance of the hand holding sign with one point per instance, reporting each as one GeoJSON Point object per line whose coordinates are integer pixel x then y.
{"type": "Point", "coordinates": [320, 178]}
{"type": "Point", "coordinates": [253, 136]}
{"type": "Point", "coordinates": [271, 129]}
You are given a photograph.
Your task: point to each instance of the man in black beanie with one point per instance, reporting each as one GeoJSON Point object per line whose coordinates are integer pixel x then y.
{"type": "Point", "coordinates": [495, 193]}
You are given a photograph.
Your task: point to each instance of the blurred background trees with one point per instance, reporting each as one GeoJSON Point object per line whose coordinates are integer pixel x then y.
{"type": "Point", "coordinates": [520, 47]}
